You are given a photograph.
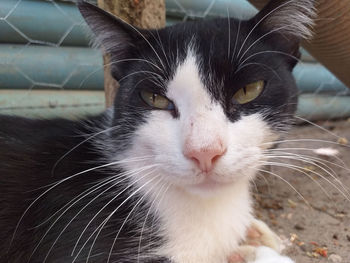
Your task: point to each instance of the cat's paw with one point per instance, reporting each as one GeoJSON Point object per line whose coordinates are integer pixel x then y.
{"type": "Point", "coordinates": [251, 254]}
{"type": "Point", "coordinates": [243, 254]}
{"type": "Point", "coordinates": [259, 234]}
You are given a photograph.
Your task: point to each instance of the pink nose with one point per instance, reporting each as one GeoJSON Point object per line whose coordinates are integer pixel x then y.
{"type": "Point", "coordinates": [205, 158]}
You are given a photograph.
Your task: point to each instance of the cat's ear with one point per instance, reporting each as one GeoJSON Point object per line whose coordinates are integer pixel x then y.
{"type": "Point", "coordinates": [293, 18]}
{"type": "Point", "coordinates": [112, 34]}
{"type": "Point", "coordinates": [286, 23]}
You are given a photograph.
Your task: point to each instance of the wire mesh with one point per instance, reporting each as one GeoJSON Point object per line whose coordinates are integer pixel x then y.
{"type": "Point", "coordinates": [45, 60]}
{"type": "Point", "coordinates": [47, 67]}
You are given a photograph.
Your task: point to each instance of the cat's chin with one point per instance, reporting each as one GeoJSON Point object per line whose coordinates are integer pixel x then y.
{"type": "Point", "coordinates": [208, 187]}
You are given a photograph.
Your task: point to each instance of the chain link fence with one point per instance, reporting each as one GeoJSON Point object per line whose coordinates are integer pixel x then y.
{"type": "Point", "coordinates": [48, 69]}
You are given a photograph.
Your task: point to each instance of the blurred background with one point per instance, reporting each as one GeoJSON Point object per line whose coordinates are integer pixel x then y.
{"type": "Point", "coordinates": [48, 69]}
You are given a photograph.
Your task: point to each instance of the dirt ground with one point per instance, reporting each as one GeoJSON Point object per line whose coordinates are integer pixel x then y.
{"type": "Point", "coordinates": [316, 229]}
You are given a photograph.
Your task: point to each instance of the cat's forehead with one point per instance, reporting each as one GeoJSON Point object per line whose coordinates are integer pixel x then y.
{"type": "Point", "coordinates": [205, 31]}
{"type": "Point", "coordinates": [187, 87]}
{"type": "Point", "coordinates": [205, 49]}
{"type": "Point", "coordinates": [208, 38]}
{"type": "Point", "coordinates": [219, 47]}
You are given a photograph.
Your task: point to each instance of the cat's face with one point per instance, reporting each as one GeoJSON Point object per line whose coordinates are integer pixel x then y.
{"type": "Point", "coordinates": [200, 102]}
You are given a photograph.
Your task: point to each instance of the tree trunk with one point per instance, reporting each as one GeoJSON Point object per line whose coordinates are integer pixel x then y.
{"type": "Point", "coordinates": [140, 13]}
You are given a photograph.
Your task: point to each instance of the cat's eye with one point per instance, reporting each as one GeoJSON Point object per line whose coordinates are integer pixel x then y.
{"type": "Point", "coordinates": [157, 101]}
{"type": "Point", "coordinates": [249, 93]}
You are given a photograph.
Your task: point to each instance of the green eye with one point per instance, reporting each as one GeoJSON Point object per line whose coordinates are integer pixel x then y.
{"type": "Point", "coordinates": [157, 101]}
{"type": "Point", "coordinates": [249, 93]}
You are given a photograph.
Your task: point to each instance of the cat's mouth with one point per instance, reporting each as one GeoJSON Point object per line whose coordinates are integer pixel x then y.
{"type": "Point", "coordinates": [209, 183]}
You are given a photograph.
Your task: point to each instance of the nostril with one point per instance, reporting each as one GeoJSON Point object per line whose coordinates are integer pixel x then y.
{"type": "Point", "coordinates": [195, 160]}
{"type": "Point", "coordinates": [215, 158]}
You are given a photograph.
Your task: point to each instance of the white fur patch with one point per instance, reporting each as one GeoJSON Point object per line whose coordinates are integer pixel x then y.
{"type": "Point", "coordinates": [267, 255]}
{"type": "Point", "coordinates": [200, 224]}
{"type": "Point", "coordinates": [204, 230]}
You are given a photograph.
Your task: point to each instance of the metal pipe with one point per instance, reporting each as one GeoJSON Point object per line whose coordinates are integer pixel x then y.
{"type": "Point", "coordinates": [315, 78]}
{"type": "Point", "coordinates": [81, 68]}
{"type": "Point", "coordinates": [41, 67]}
{"type": "Point", "coordinates": [42, 22]}
{"type": "Point", "coordinates": [51, 103]}
{"type": "Point", "coordinates": [209, 8]}
{"type": "Point", "coordinates": [323, 107]}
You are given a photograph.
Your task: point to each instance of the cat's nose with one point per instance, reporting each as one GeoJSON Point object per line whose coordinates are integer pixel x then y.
{"type": "Point", "coordinates": [205, 157]}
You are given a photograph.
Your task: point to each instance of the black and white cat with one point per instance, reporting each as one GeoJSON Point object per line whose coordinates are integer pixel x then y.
{"type": "Point", "coordinates": [165, 175]}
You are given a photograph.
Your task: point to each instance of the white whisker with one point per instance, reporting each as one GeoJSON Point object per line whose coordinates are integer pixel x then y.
{"type": "Point", "coordinates": [258, 40]}
{"type": "Point", "coordinates": [291, 166]}
{"type": "Point", "coordinates": [311, 178]}
{"type": "Point", "coordinates": [94, 189]}
{"type": "Point", "coordinates": [318, 126]}
{"type": "Point", "coordinates": [78, 145]}
{"type": "Point", "coordinates": [236, 42]}
{"type": "Point", "coordinates": [259, 64]}
{"type": "Point", "coordinates": [126, 219]}
{"type": "Point", "coordinates": [331, 173]}
{"type": "Point", "coordinates": [146, 217]}
{"type": "Point", "coordinates": [305, 140]}
{"type": "Point", "coordinates": [260, 21]}
{"type": "Point", "coordinates": [343, 166]}
{"type": "Point", "coordinates": [109, 202]}
{"type": "Point", "coordinates": [269, 51]}
{"type": "Point", "coordinates": [116, 62]}
{"type": "Point", "coordinates": [54, 186]}
{"type": "Point", "coordinates": [229, 34]}
{"type": "Point", "coordinates": [160, 43]}
{"type": "Point", "coordinates": [284, 180]}
{"type": "Point", "coordinates": [141, 72]}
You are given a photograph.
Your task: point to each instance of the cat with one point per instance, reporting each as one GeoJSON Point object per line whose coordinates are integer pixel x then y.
{"type": "Point", "coordinates": [164, 175]}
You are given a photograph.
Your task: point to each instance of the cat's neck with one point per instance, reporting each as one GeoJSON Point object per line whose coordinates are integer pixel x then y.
{"type": "Point", "coordinates": [204, 229]}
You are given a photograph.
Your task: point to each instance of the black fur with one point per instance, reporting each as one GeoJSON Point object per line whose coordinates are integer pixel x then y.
{"type": "Point", "coordinates": [31, 151]}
